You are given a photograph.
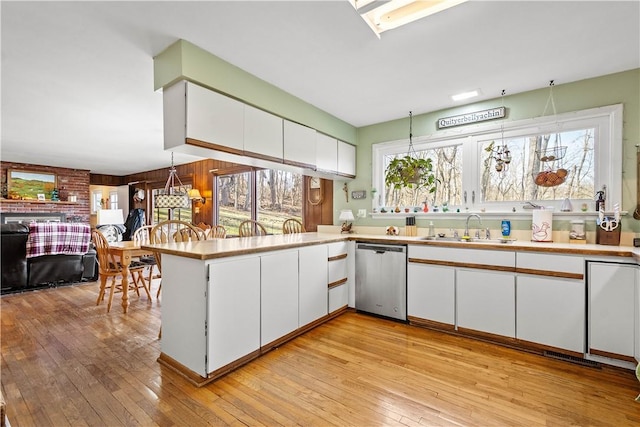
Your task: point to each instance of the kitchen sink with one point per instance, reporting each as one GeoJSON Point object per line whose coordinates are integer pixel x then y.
{"type": "Point", "coordinates": [467, 240]}
{"type": "Point", "coordinates": [442, 239]}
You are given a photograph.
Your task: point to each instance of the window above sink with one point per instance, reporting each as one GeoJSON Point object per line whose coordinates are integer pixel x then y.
{"type": "Point", "coordinates": [469, 181]}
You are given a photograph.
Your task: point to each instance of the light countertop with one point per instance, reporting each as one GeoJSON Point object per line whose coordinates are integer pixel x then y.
{"type": "Point", "coordinates": [220, 248]}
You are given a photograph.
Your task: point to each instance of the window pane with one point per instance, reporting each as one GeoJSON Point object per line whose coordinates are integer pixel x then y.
{"type": "Point", "coordinates": [542, 167]}
{"type": "Point", "coordinates": [447, 166]}
{"type": "Point", "coordinates": [279, 197]}
{"type": "Point", "coordinates": [234, 200]}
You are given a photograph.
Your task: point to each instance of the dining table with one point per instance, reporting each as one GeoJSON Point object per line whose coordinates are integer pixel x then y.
{"type": "Point", "coordinates": [125, 251]}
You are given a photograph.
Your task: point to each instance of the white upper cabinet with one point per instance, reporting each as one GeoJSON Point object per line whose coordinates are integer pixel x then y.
{"type": "Point", "coordinates": [262, 134]}
{"type": "Point", "coordinates": [214, 118]}
{"type": "Point", "coordinates": [326, 153]}
{"type": "Point", "coordinates": [346, 159]}
{"type": "Point", "coordinates": [299, 145]}
{"type": "Point", "coordinates": [203, 122]}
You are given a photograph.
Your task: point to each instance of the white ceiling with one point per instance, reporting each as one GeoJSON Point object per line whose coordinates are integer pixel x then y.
{"type": "Point", "coordinates": [77, 77]}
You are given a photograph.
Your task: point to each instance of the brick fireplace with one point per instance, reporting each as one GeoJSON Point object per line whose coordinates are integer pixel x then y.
{"type": "Point", "coordinates": [69, 182]}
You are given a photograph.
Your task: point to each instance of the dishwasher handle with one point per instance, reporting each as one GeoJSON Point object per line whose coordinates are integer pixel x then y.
{"type": "Point", "coordinates": [379, 249]}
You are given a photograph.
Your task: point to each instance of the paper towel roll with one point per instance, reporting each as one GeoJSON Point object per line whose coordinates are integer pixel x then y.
{"type": "Point", "coordinates": [541, 226]}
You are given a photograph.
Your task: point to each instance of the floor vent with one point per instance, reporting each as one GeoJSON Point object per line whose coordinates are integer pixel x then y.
{"type": "Point", "coordinates": [572, 359]}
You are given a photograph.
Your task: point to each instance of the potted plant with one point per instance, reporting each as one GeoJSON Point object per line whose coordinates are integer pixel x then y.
{"type": "Point", "coordinates": [410, 172]}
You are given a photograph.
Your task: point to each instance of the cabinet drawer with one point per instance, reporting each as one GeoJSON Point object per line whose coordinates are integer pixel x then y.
{"type": "Point", "coordinates": [463, 256]}
{"type": "Point", "coordinates": [337, 270]}
{"type": "Point", "coordinates": [550, 262]}
{"type": "Point", "coordinates": [338, 297]}
{"type": "Point", "coordinates": [337, 248]}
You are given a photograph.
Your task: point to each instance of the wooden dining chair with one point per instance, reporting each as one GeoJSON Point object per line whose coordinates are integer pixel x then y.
{"type": "Point", "coordinates": [109, 268]}
{"type": "Point", "coordinates": [292, 225]}
{"type": "Point", "coordinates": [141, 237]}
{"type": "Point", "coordinates": [217, 232]}
{"type": "Point", "coordinates": [172, 230]}
{"type": "Point", "coordinates": [250, 228]}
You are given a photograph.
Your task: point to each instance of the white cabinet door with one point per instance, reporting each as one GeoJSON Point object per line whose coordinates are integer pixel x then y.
{"type": "Point", "coordinates": [184, 312]}
{"type": "Point", "coordinates": [551, 311]}
{"type": "Point", "coordinates": [312, 283]}
{"type": "Point", "coordinates": [299, 145]}
{"type": "Point", "coordinates": [486, 301]}
{"type": "Point", "coordinates": [278, 294]}
{"type": "Point", "coordinates": [326, 153]}
{"type": "Point", "coordinates": [262, 134]}
{"type": "Point", "coordinates": [612, 309]}
{"type": "Point", "coordinates": [346, 159]}
{"type": "Point", "coordinates": [214, 118]}
{"type": "Point", "coordinates": [431, 292]}
{"type": "Point", "coordinates": [234, 310]}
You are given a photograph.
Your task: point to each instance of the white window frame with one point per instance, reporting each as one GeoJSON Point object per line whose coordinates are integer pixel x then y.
{"type": "Point", "coordinates": [607, 122]}
{"type": "Point", "coordinates": [113, 199]}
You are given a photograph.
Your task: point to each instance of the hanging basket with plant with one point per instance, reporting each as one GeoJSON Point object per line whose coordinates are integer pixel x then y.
{"type": "Point", "coordinates": [410, 171]}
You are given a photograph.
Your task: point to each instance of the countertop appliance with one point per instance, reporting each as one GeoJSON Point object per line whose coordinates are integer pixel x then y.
{"type": "Point", "coordinates": [381, 279]}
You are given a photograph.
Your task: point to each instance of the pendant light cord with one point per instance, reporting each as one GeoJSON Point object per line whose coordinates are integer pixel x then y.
{"type": "Point", "coordinates": [411, 149]}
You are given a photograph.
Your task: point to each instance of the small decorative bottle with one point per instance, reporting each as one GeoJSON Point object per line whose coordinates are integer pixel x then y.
{"type": "Point", "coordinates": [54, 195]}
{"type": "Point", "coordinates": [425, 207]}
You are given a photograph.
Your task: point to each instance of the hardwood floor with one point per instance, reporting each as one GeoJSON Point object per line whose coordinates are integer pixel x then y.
{"type": "Point", "coordinates": [65, 361]}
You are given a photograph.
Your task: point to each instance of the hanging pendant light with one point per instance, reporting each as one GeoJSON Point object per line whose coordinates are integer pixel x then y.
{"type": "Point", "coordinates": [173, 197]}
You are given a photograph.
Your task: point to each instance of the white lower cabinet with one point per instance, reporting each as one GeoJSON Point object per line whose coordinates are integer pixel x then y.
{"type": "Point", "coordinates": [551, 311]}
{"type": "Point", "coordinates": [278, 295]}
{"type": "Point", "coordinates": [312, 284]}
{"type": "Point", "coordinates": [233, 310]}
{"type": "Point", "coordinates": [431, 292]}
{"type": "Point", "coordinates": [486, 301]}
{"type": "Point", "coordinates": [612, 305]}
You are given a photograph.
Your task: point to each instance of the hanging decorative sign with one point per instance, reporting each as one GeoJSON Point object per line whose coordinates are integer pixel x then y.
{"type": "Point", "coordinates": [469, 118]}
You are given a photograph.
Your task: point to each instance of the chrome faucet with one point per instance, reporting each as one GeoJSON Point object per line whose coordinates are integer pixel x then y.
{"type": "Point", "coordinates": [466, 228]}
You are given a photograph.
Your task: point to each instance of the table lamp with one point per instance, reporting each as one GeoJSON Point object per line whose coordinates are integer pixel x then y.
{"type": "Point", "coordinates": [346, 215]}
{"type": "Point", "coordinates": [110, 216]}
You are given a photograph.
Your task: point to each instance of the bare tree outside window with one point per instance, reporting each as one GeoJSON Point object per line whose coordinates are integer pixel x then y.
{"type": "Point", "coordinates": [279, 197]}
{"type": "Point", "coordinates": [447, 167]}
{"type": "Point", "coordinates": [571, 151]}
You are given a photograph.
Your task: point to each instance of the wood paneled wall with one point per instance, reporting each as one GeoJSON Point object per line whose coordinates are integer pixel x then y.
{"type": "Point", "coordinates": [316, 213]}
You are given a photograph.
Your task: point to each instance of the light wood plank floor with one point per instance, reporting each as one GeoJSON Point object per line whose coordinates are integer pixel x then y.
{"type": "Point", "coordinates": [67, 362]}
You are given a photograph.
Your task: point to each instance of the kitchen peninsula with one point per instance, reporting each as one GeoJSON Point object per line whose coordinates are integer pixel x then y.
{"type": "Point", "coordinates": [227, 301]}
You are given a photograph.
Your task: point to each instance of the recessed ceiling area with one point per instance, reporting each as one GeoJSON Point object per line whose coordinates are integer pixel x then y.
{"type": "Point", "coordinates": [77, 77]}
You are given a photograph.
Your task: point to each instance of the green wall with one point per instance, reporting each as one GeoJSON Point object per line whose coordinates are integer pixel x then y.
{"type": "Point", "coordinates": [620, 88]}
{"type": "Point", "coordinates": [186, 61]}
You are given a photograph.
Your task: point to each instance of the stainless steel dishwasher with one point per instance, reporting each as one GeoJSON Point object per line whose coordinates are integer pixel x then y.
{"type": "Point", "coordinates": [381, 280]}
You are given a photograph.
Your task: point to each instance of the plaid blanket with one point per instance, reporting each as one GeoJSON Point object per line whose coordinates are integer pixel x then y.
{"type": "Point", "coordinates": [52, 238]}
